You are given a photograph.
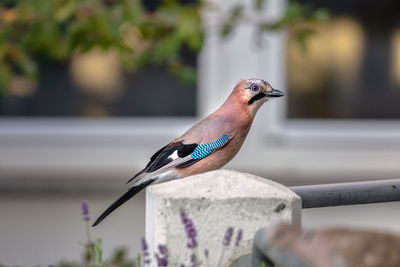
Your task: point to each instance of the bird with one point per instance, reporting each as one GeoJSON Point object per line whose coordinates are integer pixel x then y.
{"type": "Point", "coordinates": [207, 145]}
{"type": "Point", "coordinates": [290, 245]}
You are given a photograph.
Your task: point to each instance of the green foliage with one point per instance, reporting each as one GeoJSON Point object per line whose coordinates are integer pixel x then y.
{"type": "Point", "coordinates": [138, 260]}
{"type": "Point", "coordinates": [119, 258]}
{"type": "Point", "coordinates": [33, 32]}
{"type": "Point", "coordinates": [96, 254]}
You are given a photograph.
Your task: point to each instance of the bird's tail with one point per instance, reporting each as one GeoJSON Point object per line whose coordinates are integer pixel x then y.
{"type": "Point", "coordinates": [125, 197]}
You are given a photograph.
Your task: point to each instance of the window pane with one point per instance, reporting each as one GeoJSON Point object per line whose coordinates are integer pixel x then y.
{"type": "Point", "coordinates": [352, 66]}
{"type": "Point", "coordinates": [94, 84]}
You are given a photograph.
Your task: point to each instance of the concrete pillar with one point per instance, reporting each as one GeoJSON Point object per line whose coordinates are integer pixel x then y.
{"type": "Point", "coordinates": [215, 201]}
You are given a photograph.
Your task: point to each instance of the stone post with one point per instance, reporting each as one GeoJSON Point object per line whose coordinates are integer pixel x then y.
{"type": "Point", "coordinates": [215, 201]}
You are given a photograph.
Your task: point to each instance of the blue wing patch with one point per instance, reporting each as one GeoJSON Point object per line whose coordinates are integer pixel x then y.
{"type": "Point", "coordinates": [203, 150]}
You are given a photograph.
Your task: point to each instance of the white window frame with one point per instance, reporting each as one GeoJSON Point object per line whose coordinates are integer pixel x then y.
{"type": "Point", "coordinates": [75, 152]}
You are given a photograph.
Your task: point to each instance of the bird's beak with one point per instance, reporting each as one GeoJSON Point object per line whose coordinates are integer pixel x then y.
{"type": "Point", "coordinates": [274, 93]}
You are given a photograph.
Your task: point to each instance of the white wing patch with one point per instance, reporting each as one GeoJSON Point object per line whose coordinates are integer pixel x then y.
{"type": "Point", "coordinates": [174, 155]}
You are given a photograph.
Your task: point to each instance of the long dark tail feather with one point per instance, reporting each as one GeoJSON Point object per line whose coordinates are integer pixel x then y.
{"type": "Point", "coordinates": [124, 198]}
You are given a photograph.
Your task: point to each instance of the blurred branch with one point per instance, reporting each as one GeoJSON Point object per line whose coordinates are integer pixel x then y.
{"type": "Point", "coordinates": [33, 32]}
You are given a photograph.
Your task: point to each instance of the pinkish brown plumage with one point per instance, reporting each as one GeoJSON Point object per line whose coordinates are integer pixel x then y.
{"type": "Point", "coordinates": [208, 145]}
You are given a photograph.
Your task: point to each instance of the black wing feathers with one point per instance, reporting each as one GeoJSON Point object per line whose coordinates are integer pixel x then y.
{"type": "Point", "coordinates": [185, 150]}
{"type": "Point", "coordinates": [124, 198]}
{"type": "Point", "coordinates": [152, 159]}
{"type": "Point", "coordinates": [161, 157]}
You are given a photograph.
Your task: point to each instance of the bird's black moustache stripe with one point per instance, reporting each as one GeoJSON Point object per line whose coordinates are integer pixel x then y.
{"type": "Point", "coordinates": [255, 98]}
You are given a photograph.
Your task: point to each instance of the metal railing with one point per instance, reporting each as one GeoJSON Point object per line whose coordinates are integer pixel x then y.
{"type": "Point", "coordinates": [340, 194]}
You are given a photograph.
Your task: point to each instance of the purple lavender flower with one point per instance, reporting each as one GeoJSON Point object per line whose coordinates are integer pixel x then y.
{"type": "Point", "coordinates": [189, 228]}
{"type": "Point", "coordinates": [239, 237]}
{"type": "Point", "coordinates": [85, 210]}
{"type": "Point", "coordinates": [145, 251]}
{"type": "Point", "coordinates": [145, 247]}
{"type": "Point", "coordinates": [163, 259]}
{"type": "Point", "coordinates": [161, 262]}
{"type": "Point", "coordinates": [163, 250]}
{"type": "Point", "coordinates": [228, 236]}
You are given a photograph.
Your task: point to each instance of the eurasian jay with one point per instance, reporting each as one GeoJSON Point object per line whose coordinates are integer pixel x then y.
{"type": "Point", "coordinates": [208, 145]}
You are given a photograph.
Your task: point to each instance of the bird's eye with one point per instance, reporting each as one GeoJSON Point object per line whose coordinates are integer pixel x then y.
{"type": "Point", "coordinates": [254, 87]}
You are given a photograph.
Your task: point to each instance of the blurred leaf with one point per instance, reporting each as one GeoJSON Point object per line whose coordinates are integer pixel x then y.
{"type": "Point", "coordinates": [166, 48]}
{"type": "Point", "coordinates": [259, 4]}
{"type": "Point", "coordinates": [138, 259]}
{"type": "Point", "coordinates": [234, 16]}
{"type": "Point", "coordinates": [5, 76]}
{"type": "Point", "coordinates": [302, 37]}
{"type": "Point", "coordinates": [189, 29]}
{"type": "Point", "coordinates": [226, 29]}
{"type": "Point", "coordinates": [236, 12]}
{"type": "Point", "coordinates": [297, 14]}
{"type": "Point", "coordinates": [184, 73]}
{"type": "Point", "coordinates": [120, 258]}
{"type": "Point", "coordinates": [65, 11]}
{"type": "Point", "coordinates": [321, 15]}
{"type": "Point", "coordinates": [99, 252]}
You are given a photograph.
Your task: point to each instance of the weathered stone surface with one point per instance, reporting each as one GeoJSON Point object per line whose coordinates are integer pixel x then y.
{"type": "Point", "coordinates": [215, 201]}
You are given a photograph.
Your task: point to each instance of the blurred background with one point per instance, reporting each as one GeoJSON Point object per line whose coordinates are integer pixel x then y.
{"type": "Point", "coordinates": [89, 89]}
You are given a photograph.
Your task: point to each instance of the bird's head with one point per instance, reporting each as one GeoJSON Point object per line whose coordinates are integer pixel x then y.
{"type": "Point", "coordinates": [255, 92]}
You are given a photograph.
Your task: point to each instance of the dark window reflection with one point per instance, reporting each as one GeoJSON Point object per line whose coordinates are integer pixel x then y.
{"type": "Point", "coordinates": [352, 68]}
{"type": "Point", "coordinates": [95, 84]}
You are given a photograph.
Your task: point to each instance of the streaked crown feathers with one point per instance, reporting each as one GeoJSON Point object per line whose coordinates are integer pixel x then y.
{"type": "Point", "coordinates": [253, 82]}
